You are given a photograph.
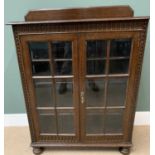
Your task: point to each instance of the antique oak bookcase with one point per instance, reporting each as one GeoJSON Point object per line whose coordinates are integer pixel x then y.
{"type": "Point", "coordinates": [80, 70]}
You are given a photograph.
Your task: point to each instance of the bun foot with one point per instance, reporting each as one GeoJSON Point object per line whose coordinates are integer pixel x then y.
{"type": "Point", "coordinates": [124, 151]}
{"type": "Point", "coordinates": [37, 150]}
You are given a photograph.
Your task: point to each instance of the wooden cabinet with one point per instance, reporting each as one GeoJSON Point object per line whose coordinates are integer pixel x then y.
{"type": "Point", "coordinates": [80, 71]}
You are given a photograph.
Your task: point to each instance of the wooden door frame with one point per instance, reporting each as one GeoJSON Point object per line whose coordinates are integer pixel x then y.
{"type": "Point", "coordinates": [126, 136]}
{"type": "Point", "coordinates": [24, 38]}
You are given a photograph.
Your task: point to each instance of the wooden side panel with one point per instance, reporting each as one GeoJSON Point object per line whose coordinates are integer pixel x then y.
{"type": "Point", "coordinates": [80, 13]}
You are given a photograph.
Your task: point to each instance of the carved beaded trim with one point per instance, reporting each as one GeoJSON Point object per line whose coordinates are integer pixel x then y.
{"type": "Point", "coordinates": [24, 84]}
{"type": "Point", "coordinates": [67, 139]}
{"type": "Point", "coordinates": [140, 54]}
{"type": "Point", "coordinates": [116, 138]}
{"type": "Point", "coordinates": [82, 27]}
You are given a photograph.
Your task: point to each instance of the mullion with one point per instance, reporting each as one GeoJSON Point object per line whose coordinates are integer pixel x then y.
{"type": "Point", "coordinates": [107, 70]}
{"type": "Point", "coordinates": [100, 108]}
{"type": "Point", "coordinates": [106, 82]}
{"type": "Point", "coordinates": [51, 77]}
{"type": "Point", "coordinates": [92, 59]}
{"type": "Point", "coordinates": [53, 81]}
{"type": "Point", "coordinates": [63, 59]}
{"type": "Point", "coordinates": [119, 58]}
{"type": "Point", "coordinates": [104, 76]}
{"type": "Point", "coordinates": [40, 60]}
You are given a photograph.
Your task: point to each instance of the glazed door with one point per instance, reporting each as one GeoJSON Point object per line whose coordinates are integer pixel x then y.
{"type": "Point", "coordinates": [105, 76]}
{"type": "Point", "coordinates": [51, 68]}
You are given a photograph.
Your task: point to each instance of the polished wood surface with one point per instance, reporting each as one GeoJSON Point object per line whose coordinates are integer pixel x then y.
{"type": "Point", "coordinates": [79, 13]}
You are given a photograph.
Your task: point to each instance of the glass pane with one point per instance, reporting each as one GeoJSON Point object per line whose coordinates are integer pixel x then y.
{"type": "Point", "coordinates": [94, 93]}
{"type": "Point", "coordinates": [38, 50]}
{"type": "Point", "coordinates": [119, 66]}
{"type": "Point", "coordinates": [114, 121]}
{"type": "Point", "coordinates": [116, 92]}
{"type": "Point", "coordinates": [66, 123]}
{"type": "Point", "coordinates": [62, 49]}
{"type": "Point", "coordinates": [63, 67]}
{"type": "Point", "coordinates": [64, 93]}
{"type": "Point", "coordinates": [43, 92]}
{"type": "Point", "coordinates": [40, 68]}
{"type": "Point", "coordinates": [95, 67]}
{"type": "Point", "coordinates": [96, 53]}
{"type": "Point", "coordinates": [47, 123]}
{"type": "Point", "coordinates": [94, 123]}
{"type": "Point", "coordinates": [120, 47]}
{"type": "Point", "coordinates": [96, 49]}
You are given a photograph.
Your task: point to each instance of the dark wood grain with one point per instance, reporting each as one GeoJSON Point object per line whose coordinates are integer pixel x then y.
{"type": "Point", "coordinates": [79, 13]}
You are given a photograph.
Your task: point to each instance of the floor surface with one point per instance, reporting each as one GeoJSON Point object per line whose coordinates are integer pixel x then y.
{"type": "Point", "coordinates": [17, 142]}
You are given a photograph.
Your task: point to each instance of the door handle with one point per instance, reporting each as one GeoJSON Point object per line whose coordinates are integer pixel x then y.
{"type": "Point", "coordinates": [82, 97]}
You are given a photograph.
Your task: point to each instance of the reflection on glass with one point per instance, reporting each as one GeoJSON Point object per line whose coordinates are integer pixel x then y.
{"type": "Point", "coordinates": [116, 92]}
{"type": "Point", "coordinates": [64, 93]}
{"type": "Point", "coordinates": [119, 66]}
{"type": "Point", "coordinates": [47, 123]}
{"type": "Point", "coordinates": [114, 121]}
{"type": "Point", "coordinates": [120, 47]}
{"type": "Point", "coordinates": [94, 93]}
{"type": "Point", "coordinates": [38, 50]}
{"type": "Point", "coordinates": [63, 67]}
{"type": "Point", "coordinates": [43, 92]}
{"type": "Point", "coordinates": [40, 68]}
{"type": "Point", "coordinates": [96, 49]}
{"type": "Point", "coordinates": [96, 53]}
{"type": "Point", "coordinates": [66, 123]}
{"type": "Point", "coordinates": [62, 49]}
{"type": "Point", "coordinates": [62, 55]}
{"type": "Point", "coordinates": [94, 123]}
{"type": "Point", "coordinates": [95, 67]}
